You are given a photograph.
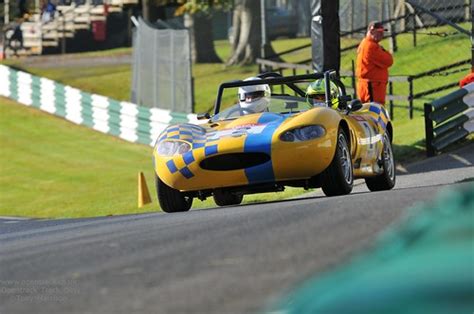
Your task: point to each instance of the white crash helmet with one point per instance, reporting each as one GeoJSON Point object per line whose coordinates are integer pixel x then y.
{"type": "Point", "coordinates": [255, 97]}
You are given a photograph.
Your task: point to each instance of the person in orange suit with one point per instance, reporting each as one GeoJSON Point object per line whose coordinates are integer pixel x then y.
{"type": "Point", "coordinates": [467, 79]}
{"type": "Point", "coordinates": [373, 62]}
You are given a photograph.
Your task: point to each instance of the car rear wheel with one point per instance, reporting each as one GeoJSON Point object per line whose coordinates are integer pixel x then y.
{"type": "Point", "coordinates": [172, 200]}
{"type": "Point", "coordinates": [387, 179]}
{"type": "Point", "coordinates": [338, 178]}
{"type": "Point", "coordinates": [224, 198]}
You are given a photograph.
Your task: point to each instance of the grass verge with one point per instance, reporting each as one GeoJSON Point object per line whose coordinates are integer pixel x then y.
{"type": "Point", "coordinates": [51, 168]}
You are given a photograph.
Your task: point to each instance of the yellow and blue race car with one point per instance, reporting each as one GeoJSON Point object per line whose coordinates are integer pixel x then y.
{"type": "Point", "coordinates": [268, 132]}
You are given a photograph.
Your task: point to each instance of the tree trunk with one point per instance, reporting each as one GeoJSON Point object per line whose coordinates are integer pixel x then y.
{"type": "Point", "coordinates": [202, 42]}
{"type": "Point", "coordinates": [246, 30]}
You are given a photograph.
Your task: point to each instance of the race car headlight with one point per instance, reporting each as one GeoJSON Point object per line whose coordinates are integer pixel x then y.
{"type": "Point", "coordinates": [171, 148]}
{"type": "Point", "coordinates": [305, 133]}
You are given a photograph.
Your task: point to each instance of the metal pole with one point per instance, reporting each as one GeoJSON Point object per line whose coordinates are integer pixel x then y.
{"type": "Point", "coordinates": [156, 71]}
{"type": "Point", "coordinates": [63, 40]}
{"type": "Point", "coordinates": [353, 79]}
{"type": "Point", "coordinates": [414, 30]}
{"type": "Point", "coordinates": [264, 28]}
{"type": "Point", "coordinates": [173, 71]}
{"type": "Point", "coordinates": [351, 18]}
{"type": "Point", "coordinates": [410, 101]}
{"type": "Point", "coordinates": [390, 91]}
{"type": "Point", "coordinates": [327, 86]}
{"type": "Point", "coordinates": [6, 11]}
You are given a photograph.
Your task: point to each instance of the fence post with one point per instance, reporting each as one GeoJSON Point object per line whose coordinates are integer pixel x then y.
{"type": "Point", "coordinates": [430, 151]}
{"type": "Point", "coordinates": [390, 92]}
{"type": "Point", "coordinates": [410, 97]}
{"type": "Point", "coordinates": [353, 79]}
{"type": "Point", "coordinates": [351, 18]}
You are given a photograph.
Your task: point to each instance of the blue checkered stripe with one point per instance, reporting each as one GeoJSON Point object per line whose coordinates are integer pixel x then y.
{"type": "Point", "coordinates": [382, 116]}
{"type": "Point", "coordinates": [198, 138]}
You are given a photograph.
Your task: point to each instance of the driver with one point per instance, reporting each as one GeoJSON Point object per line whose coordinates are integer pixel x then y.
{"type": "Point", "coordinates": [316, 94]}
{"type": "Point", "coordinates": [254, 98]}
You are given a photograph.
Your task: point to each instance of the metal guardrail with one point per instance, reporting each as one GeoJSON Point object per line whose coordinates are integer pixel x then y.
{"type": "Point", "coordinates": [453, 115]}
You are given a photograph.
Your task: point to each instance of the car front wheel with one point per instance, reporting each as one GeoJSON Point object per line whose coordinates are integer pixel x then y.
{"type": "Point", "coordinates": [338, 178]}
{"type": "Point", "coordinates": [172, 200]}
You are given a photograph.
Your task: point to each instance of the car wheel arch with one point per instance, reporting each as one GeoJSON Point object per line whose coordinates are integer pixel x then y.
{"type": "Point", "coordinates": [390, 132]}
{"type": "Point", "coordinates": [345, 127]}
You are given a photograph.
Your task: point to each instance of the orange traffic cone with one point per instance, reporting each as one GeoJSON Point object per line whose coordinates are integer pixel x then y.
{"type": "Point", "coordinates": [143, 194]}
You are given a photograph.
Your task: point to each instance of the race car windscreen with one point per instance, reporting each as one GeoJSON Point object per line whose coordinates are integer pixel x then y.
{"type": "Point", "coordinates": [237, 102]}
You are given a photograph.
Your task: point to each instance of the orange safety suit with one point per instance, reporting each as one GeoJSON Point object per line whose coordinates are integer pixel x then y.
{"type": "Point", "coordinates": [372, 71]}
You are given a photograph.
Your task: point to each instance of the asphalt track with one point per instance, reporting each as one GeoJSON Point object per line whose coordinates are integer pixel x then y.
{"type": "Point", "coordinates": [222, 260]}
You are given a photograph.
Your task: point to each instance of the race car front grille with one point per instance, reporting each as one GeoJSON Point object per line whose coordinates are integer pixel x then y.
{"type": "Point", "coordinates": [234, 161]}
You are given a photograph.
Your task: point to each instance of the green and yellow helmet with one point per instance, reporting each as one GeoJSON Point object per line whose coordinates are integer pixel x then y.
{"type": "Point", "coordinates": [316, 93]}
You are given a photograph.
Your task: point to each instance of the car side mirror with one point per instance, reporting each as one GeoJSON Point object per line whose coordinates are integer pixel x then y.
{"type": "Point", "coordinates": [354, 105]}
{"type": "Point", "coordinates": [343, 100]}
{"type": "Point", "coordinates": [203, 116]}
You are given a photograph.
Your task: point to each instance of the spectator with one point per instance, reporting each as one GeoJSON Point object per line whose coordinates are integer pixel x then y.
{"type": "Point", "coordinates": [15, 41]}
{"type": "Point", "coordinates": [373, 62]}
{"type": "Point", "coordinates": [48, 11]}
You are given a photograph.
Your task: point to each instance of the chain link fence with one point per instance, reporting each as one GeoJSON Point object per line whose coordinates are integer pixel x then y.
{"type": "Point", "coordinates": [430, 40]}
{"type": "Point", "coordinates": [161, 64]}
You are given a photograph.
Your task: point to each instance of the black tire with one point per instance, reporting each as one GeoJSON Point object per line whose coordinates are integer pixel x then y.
{"type": "Point", "coordinates": [386, 180]}
{"type": "Point", "coordinates": [223, 198]}
{"type": "Point", "coordinates": [338, 178]}
{"type": "Point", "coordinates": [172, 200]}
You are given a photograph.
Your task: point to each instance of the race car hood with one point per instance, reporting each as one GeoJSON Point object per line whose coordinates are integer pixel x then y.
{"type": "Point", "coordinates": [247, 149]}
{"type": "Point", "coordinates": [243, 127]}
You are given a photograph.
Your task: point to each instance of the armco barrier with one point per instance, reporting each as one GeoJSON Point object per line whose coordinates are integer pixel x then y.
{"type": "Point", "coordinates": [118, 118]}
{"type": "Point", "coordinates": [454, 118]}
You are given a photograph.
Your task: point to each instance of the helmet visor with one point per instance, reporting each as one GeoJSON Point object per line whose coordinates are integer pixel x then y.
{"type": "Point", "coordinates": [251, 96]}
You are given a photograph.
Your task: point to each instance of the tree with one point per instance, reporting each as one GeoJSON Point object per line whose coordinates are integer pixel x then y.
{"type": "Point", "coordinates": [246, 32]}
{"type": "Point", "coordinates": [202, 42]}
{"type": "Point", "coordinates": [198, 19]}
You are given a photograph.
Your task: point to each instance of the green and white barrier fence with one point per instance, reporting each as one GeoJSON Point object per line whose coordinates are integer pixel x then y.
{"type": "Point", "coordinates": [118, 118]}
{"type": "Point", "coordinates": [454, 118]}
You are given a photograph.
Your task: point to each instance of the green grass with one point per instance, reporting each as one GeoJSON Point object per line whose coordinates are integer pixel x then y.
{"type": "Point", "coordinates": [50, 167]}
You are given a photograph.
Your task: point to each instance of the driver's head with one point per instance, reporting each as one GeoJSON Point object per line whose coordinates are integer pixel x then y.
{"type": "Point", "coordinates": [316, 93]}
{"type": "Point", "coordinates": [255, 98]}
